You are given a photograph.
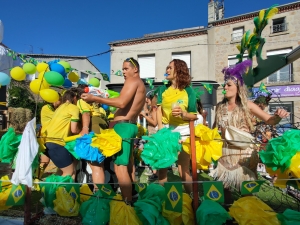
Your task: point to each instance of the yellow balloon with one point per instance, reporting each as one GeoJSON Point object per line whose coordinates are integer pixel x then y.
{"type": "Point", "coordinates": [42, 67]}
{"type": "Point", "coordinates": [41, 75]}
{"type": "Point", "coordinates": [18, 73]}
{"type": "Point", "coordinates": [37, 85]}
{"type": "Point", "coordinates": [49, 95]}
{"type": "Point", "coordinates": [73, 77]}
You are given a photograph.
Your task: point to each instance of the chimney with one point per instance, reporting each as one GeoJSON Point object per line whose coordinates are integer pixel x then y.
{"type": "Point", "coordinates": [211, 11]}
{"type": "Point", "coordinates": [215, 10]}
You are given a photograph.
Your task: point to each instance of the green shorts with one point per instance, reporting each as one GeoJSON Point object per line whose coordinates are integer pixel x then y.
{"type": "Point", "coordinates": [125, 130]}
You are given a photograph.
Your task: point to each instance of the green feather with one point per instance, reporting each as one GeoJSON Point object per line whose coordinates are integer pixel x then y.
{"type": "Point", "coordinates": [257, 23]}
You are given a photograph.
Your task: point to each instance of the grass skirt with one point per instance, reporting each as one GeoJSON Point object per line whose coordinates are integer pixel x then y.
{"type": "Point", "coordinates": [235, 166]}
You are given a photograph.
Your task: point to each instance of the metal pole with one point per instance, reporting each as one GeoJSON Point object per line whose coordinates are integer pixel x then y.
{"type": "Point", "coordinates": [27, 213]}
{"type": "Point", "coordinates": [194, 167]}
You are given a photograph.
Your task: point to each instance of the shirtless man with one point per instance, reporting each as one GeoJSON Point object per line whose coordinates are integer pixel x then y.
{"type": "Point", "coordinates": [130, 103]}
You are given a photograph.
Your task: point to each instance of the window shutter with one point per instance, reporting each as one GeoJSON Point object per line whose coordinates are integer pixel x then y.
{"type": "Point", "coordinates": [147, 66]}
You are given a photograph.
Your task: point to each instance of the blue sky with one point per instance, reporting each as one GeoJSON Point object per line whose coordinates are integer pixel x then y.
{"type": "Point", "coordinates": [85, 27]}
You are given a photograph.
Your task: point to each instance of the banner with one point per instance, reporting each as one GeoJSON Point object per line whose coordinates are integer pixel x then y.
{"type": "Point", "coordinates": [281, 91]}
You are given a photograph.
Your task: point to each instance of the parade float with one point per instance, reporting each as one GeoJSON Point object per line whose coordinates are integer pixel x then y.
{"type": "Point", "coordinates": [156, 204]}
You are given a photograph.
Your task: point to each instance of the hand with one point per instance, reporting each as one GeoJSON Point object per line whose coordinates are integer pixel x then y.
{"type": "Point", "coordinates": [281, 113]}
{"type": "Point", "coordinates": [176, 111]}
{"type": "Point", "coordinates": [204, 113]}
{"type": "Point", "coordinates": [87, 97]}
{"type": "Point", "coordinates": [85, 130]}
{"type": "Point", "coordinates": [143, 114]}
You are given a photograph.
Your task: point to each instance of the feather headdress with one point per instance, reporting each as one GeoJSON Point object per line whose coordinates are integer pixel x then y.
{"type": "Point", "coordinates": [236, 71]}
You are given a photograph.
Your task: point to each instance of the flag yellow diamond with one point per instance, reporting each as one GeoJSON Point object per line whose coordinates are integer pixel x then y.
{"type": "Point", "coordinates": [173, 196]}
{"type": "Point", "coordinates": [73, 193]}
{"type": "Point", "coordinates": [250, 185]}
{"type": "Point", "coordinates": [141, 186]}
{"type": "Point", "coordinates": [213, 193]}
{"type": "Point", "coordinates": [18, 194]}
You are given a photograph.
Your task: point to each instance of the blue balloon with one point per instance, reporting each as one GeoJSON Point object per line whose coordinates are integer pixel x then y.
{"type": "Point", "coordinates": [67, 83]}
{"type": "Point", "coordinates": [105, 107]}
{"type": "Point", "coordinates": [58, 68]}
{"type": "Point", "coordinates": [81, 81]}
{"type": "Point", "coordinates": [53, 61]}
{"type": "Point", "coordinates": [4, 79]}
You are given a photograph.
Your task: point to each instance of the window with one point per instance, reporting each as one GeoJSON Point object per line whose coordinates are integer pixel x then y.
{"type": "Point", "coordinates": [237, 34]}
{"type": "Point", "coordinates": [279, 25]}
{"type": "Point", "coordinates": [284, 74]}
{"type": "Point", "coordinates": [232, 60]}
{"type": "Point", "coordinates": [147, 66]}
{"type": "Point", "coordinates": [184, 56]}
{"type": "Point", "coordinates": [84, 76]}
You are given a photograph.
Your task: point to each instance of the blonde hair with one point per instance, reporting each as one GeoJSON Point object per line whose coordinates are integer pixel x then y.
{"type": "Point", "coordinates": [242, 104]}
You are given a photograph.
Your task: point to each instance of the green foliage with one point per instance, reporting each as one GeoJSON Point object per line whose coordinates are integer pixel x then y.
{"type": "Point", "coordinates": [21, 96]}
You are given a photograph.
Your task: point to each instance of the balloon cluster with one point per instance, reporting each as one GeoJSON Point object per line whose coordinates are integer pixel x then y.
{"type": "Point", "coordinates": [52, 73]}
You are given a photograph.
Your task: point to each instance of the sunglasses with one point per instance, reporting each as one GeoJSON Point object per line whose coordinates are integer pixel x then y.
{"type": "Point", "coordinates": [130, 60]}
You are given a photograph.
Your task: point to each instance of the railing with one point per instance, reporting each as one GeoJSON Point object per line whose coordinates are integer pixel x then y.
{"type": "Point", "coordinates": [279, 28]}
{"type": "Point", "coordinates": [237, 36]}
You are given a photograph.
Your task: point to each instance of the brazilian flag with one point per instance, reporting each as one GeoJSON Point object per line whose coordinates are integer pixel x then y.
{"type": "Point", "coordinates": [74, 191]}
{"type": "Point", "coordinates": [150, 82]}
{"type": "Point", "coordinates": [106, 190]}
{"type": "Point", "coordinates": [213, 190]}
{"type": "Point", "coordinates": [105, 76]}
{"type": "Point", "coordinates": [249, 187]}
{"type": "Point", "coordinates": [208, 87]}
{"type": "Point", "coordinates": [174, 197]}
{"type": "Point", "coordinates": [165, 81]}
{"type": "Point", "coordinates": [263, 88]}
{"type": "Point", "coordinates": [119, 73]}
{"type": "Point", "coordinates": [140, 188]}
{"type": "Point", "coordinates": [16, 195]}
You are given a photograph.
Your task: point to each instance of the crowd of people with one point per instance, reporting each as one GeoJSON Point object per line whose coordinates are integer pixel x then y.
{"type": "Point", "coordinates": [172, 105]}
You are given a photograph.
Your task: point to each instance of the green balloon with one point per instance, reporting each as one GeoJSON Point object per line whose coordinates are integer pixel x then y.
{"type": "Point", "coordinates": [112, 109]}
{"type": "Point", "coordinates": [66, 65]}
{"type": "Point", "coordinates": [113, 94]}
{"type": "Point", "coordinates": [29, 68]}
{"type": "Point", "coordinates": [54, 78]}
{"type": "Point", "coordinates": [94, 82]}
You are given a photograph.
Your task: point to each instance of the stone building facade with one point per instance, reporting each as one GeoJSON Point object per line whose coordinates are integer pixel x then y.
{"type": "Point", "coordinates": [207, 50]}
{"type": "Point", "coordinates": [281, 35]}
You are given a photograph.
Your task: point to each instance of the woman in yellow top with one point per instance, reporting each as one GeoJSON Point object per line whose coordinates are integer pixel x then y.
{"type": "Point", "coordinates": [47, 113]}
{"type": "Point", "coordinates": [64, 123]}
{"type": "Point", "coordinates": [176, 107]}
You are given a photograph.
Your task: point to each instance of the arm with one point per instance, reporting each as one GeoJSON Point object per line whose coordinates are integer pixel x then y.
{"type": "Point", "coordinates": [86, 118]}
{"type": "Point", "coordinates": [74, 127]}
{"type": "Point", "coordinates": [204, 115]}
{"type": "Point", "coordinates": [153, 120]}
{"type": "Point", "coordinates": [159, 117]}
{"type": "Point", "coordinates": [267, 118]}
{"type": "Point", "coordinates": [126, 95]}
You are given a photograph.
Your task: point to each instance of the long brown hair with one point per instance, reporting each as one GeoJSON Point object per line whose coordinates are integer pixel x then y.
{"type": "Point", "coordinates": [183, 78]}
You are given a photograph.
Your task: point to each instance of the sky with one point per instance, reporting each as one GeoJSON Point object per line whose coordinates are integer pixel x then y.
{"type": "Point", "coordinates": [85, 27]}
